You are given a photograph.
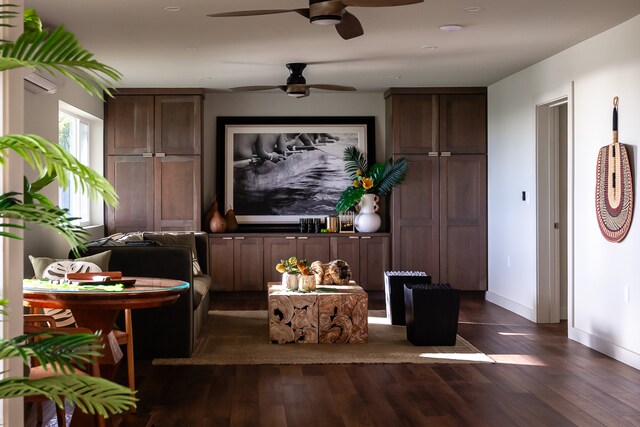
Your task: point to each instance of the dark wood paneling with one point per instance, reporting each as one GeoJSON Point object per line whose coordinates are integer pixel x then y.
{"type": "Point", "coordinates": [415, 124]}
{"type": "Point", "coordinates": [129, 125]}
{"type": "Point", "coordinates": [313, 249]}
{"type": "Point", "coordinates": [374, 256]}
{"type": "Point", "coordinates": [463, 220]}
{"type": "Point", "coordinates": [247, 264]}
{"type": "Point", "coordinates": [132, 178]}
{"type": "Point", "coordinates": [275, 250]}
{"type": "Point", "coordinates": [463, 123]}
{"type": "Point", "coordinates": [178, 124]}
{"type": "Point", "coordinates": [416, 217]}
{"type": "Point", "coordinates": [177, 193]}
{"type": "Point", "coordinates": [221, 263]}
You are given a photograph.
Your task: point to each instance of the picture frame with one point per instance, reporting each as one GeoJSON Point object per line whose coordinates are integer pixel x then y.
{"type": "Point", "coordinates": [274, 170]}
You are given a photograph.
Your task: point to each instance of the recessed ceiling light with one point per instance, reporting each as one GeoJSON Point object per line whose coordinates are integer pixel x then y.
{"type": "Point", "coordinates": [473, 9]}
{"type": "Point", "coordinates": [171, 8]}
{"type": "Point", "coordinates": [192, 48]}
{"type": "Point", "coordinates": [429, 47]}
{"type": "Point", "coordinates": [449, 28]}
{"type": "Point", "coordinates": [206, 78]}
{"type": "Point", "coordinates": [395, 77]}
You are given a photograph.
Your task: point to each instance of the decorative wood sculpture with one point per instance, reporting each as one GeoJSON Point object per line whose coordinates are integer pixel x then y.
{"type": "Point", "coordinates": [217, 223]}
{"type": "Point", "coordinates": [614, 187]}
{"type": "Point", "coordinates": [232, 223]}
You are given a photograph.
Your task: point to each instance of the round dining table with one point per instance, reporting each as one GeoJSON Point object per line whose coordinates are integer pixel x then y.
{"type": "Point", "coordinates": [96, 305]}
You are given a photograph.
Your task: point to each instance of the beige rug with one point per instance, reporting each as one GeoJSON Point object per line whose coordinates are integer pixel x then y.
{"type": "Point", "coordinates": [241, 338]}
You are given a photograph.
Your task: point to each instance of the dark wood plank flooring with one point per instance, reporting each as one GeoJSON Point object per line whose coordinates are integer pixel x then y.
{"type": "Point", "coordinates": [541, 379]}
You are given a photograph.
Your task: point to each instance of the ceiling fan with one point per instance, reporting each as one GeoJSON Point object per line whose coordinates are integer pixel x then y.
{"type": "Point", "coordinates": [328, 12]}
{"type": "Point", "coordinates": [296, 84]}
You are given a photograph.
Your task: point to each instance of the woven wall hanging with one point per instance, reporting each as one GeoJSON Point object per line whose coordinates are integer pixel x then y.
{"type": "Point", "coordinates": [614, 187]}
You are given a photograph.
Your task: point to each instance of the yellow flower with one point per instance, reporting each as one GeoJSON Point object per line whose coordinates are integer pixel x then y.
{"type": "Point", "coordinates": [280, 268]}
{"type": "Point", "coordinates": [359, 172]}
{"type": "Point", "coordinates": [356, 183]}
{"type": "Point", "coordinates": [367, 183]}
{"type": "Point", "coordinates": [293, 260]}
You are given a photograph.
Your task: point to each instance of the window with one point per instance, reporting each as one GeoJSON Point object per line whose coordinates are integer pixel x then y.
{"type": "Point", "coordinates": [74, 134]}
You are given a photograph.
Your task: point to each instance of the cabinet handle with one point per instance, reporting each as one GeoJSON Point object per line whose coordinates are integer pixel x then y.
{"type": "Point", "coordinates": [365, 237]}
{"type": "Point", "coordinates": [239, 238]}
{"type": "Point", "coordinates": [227, 238]}
{"type": "Point", "coordinates": [147, 154]}
{"type": "Point", "coordinates": [354, 237]}
{"type": "Point", "coordinates": [160, 155]}
{"type": "Point", "coordinates": [433, 154]}
{"type": "Point", "coordinates": [303, 238]}
{"type": "Point", "coordinates": [446, 154]}
{"type": "Point", "coordinates": [290, 238]}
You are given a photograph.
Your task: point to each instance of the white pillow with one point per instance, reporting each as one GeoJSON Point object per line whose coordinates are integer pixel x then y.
{"type": "Point", "coordinates": [56, 271]}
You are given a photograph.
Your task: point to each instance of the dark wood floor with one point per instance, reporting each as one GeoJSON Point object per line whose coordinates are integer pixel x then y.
{"type": "Point", "coordinates": [541, 379]}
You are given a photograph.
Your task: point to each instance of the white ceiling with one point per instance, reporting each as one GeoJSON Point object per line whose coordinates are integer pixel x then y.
{"type": "Point", "coordinates": [155, 48]}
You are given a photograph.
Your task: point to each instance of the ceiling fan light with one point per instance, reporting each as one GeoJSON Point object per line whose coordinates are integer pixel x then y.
{"type": "Point", "coordinates": [296, 94]}
{"type": "Point", "coordinates": [326, 19]}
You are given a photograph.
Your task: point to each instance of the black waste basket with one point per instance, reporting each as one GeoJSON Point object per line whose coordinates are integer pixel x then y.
{"type": "Point", "coordinates": [432, 314]}
{"type": "Point", "coordinates": [394, 282]}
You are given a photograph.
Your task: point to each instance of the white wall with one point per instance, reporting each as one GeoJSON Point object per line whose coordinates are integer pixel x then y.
{"type": "Point", "coordinates": [605, 66]}
{"type": "Point", "coordinates": [279, 104]}
{"type": "Point", "coordinates": [41, 118]}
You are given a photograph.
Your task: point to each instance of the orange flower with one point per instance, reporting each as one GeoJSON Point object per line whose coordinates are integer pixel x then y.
{"type": "Point", "coordinates": [367, 183]}
{"type": "Point", "coordinates": [356, 183]}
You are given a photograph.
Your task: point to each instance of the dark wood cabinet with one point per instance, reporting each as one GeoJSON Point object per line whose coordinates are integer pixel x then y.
{"type": "Point", "coordinates": [439, 213]}
{"type": "Point", "coordinates": [258, 253]}
{"type": "Point", "coordinates": [162, 134]}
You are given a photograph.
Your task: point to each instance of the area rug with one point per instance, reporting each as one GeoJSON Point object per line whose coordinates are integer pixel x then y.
{"type": "Point", "coordinates": [241, 338]}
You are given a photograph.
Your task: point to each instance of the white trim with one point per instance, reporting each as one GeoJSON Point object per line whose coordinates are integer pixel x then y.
{"type": "Point", "coordinates": [606, 347]}
{"type": "Point", "coordinates": [519, 309]}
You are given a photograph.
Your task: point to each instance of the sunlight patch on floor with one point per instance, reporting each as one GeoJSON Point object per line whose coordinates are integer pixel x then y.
{"type": "Point", "coordinates": [514, 334]}
{"type": "Point", "coordinates": [517, 359]}
{"type": "Point", "coordinates": [379, 321]}
{"type": "Point", "coordinates": [463, 357]}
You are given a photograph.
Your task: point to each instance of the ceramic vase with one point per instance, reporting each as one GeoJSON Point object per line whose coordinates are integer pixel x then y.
{"type": "Point", "coordinates": [290, 281]}
{"type": "Point", "coordinates": [232, 223]}
{"type": "Point", "coordinates": [307, 283]}
{"type": "Point", "coordinates": [368, 221]}
{"type": "Point", "coordinates": [217, 223]}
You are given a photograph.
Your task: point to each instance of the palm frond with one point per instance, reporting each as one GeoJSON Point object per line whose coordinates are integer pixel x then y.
{"type": "Point", "coordinates": [391, 174]}
{"type": "Point", "coordinates": [50, 158]}
{"type": "Point", "coordinates": [349, 197]}
{"type": "Point", "coordinates": [90, 394]}
{"type": "Point", "coordinates": [59, 53]}
{"type": "Point", "coordinates": [355, 161]}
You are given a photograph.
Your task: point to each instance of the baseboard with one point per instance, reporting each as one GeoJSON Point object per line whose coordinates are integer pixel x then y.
{"type": "Point", "coordinates": [614, 351]}
{"type": "Point", "coordinates": [510, 305]}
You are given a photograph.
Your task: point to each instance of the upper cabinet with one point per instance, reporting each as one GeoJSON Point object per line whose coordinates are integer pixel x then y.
{"type": "Point", "coordinates": [130, 125]}
{"type": "Point", "coordinates": [432, 121]}
{"type": "Point", "coordinates": [178, 124]}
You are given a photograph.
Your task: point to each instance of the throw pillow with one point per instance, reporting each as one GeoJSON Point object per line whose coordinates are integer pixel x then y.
{"type": "Point", "coordinates": [178, 239]}
{"type": "Point", "coordinates": [57, 271]}
{"type": "Point", "coordinates": [40, 263]}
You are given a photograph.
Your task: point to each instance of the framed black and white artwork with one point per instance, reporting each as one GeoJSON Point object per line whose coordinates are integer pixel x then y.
{"type": "Point", "coordinates": [275, 170]}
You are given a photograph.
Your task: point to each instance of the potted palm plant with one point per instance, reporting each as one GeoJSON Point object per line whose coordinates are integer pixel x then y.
{"type": "Point", "coordinates": [55, 52]}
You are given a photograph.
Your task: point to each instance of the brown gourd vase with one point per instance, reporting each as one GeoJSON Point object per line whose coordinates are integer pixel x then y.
{"type": "Point", "coordinates": [232, 223]}
{"type": "Point", "coordinates": [214, 220]}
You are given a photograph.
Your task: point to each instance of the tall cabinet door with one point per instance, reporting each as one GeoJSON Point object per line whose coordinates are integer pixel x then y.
{"type": "Point", "coordinates": [178, 124]}
{"type": "Point", "coordinates": [132, 178]}
{"type": "Point", "coordinates": [177, 193]}
{"type": "Point", "coordinates": [129, 128]}
{"type": "Point", "coordinates": [416, 217]}
{"type": "Point", "coordinates": [463, 220]}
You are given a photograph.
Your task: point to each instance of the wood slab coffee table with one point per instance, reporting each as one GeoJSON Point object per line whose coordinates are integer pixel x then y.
{"type": "Point", "coordinates": [331, 314]}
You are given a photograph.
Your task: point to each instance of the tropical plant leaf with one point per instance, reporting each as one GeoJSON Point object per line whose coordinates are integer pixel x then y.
{"type": "Point", "coordinates": [349, 198]}
{"type": "Point", "coordinates": [355, 161]}
{"type": "Point", "coordinates": [90, 394]}
{"type": "Point", "coordinates": [58, 52]}
{"type": "Point", "coordinates": [50, 158]}
{"type": "Point", "coordinates": [391, 174]}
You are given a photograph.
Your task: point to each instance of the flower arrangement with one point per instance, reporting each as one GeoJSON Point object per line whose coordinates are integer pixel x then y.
{"type": "Point", "coordinates": [378, 179]}
{"type": "Point", "coordinates": [294, 266]}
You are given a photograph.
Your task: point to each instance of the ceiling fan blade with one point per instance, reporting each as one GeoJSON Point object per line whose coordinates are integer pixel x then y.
{"type": "Point", "coordinates": [350, 27]}
{"type": "Point", "coordinates": [332, 87]}
{"type": "Point", "coordinates": [252, 88]}
{"type": "Point", "coordinates": [379, 3]}
{"type": "Point", "coordinates": [303, 12]}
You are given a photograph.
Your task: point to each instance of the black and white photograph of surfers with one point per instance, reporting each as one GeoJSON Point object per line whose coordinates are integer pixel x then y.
{"type": "Point", "coordinates": [279, 177]}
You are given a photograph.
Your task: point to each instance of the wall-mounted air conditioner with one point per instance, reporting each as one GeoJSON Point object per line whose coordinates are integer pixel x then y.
{"type": "Point", "coordinates": [36, 82]}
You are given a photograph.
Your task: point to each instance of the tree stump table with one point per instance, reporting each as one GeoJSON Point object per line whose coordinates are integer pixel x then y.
{"type": "Point", "coordinates": [331, 314]}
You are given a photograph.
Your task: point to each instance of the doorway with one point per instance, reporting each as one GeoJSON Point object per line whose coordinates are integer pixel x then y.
{"type": "Point", "coordinates": [552, 208]}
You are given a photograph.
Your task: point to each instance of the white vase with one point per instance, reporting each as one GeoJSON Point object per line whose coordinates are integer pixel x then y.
{"type": "Point", "coordinates": [368, 221]}
{"type": "Point", "coordinates": [290, 281]}
{"type": "Point", "coordinates": [307, 283]}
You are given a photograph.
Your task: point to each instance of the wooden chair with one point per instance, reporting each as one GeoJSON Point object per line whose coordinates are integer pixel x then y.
{"type": "Point", "coordinates": [126, 338]}
{"type": "Point", "coordinates": [37, 323]}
